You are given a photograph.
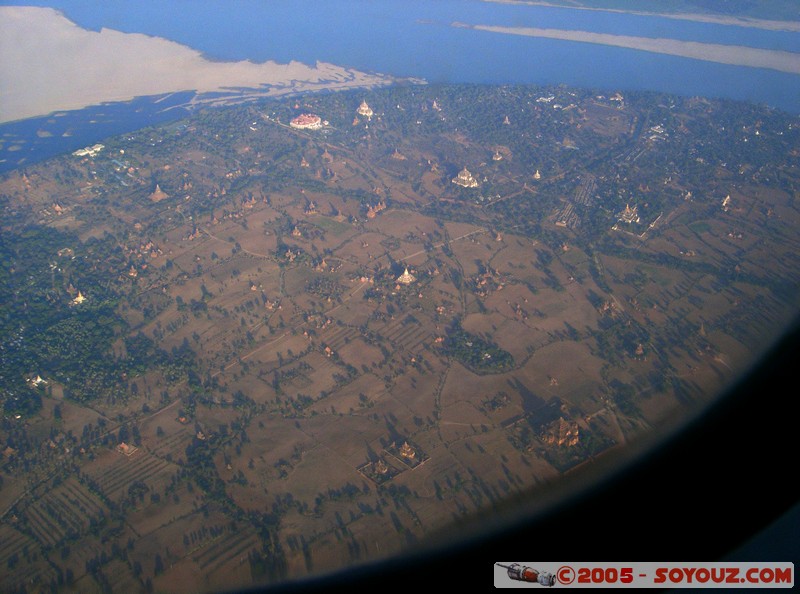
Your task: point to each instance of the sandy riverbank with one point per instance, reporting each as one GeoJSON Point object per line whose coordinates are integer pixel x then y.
{"type": "Point", "coordinates": [770, 25]}
{"type": "Point", "coordinates": [712, 52]}
{"type": "Point", "coordinates": [50, 64]}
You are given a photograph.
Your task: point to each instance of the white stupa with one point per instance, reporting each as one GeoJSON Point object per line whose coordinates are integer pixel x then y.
{"type": "Point", "coordinates": [406, 278]}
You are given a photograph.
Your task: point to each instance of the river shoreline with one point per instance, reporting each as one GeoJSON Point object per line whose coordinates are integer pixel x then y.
{"type": "Point", "coordinates": [75, 68]}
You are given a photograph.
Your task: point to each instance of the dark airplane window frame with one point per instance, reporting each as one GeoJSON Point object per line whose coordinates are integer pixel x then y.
{"type": "Point", "coordinates": [738, 451]}
{"type": "Point", "coordinates": [676, 487]}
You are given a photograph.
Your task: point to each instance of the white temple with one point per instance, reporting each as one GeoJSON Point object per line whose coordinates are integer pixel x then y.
{"type": "Point", "coordinates": [629, 215]}
{"type": "Point", "coordinates": [406, 278]}
{"type": "Point", "coordinates": [37, 381]}
{"type": "Point", "coordinates": [364, 110]}
{"type": "Point", "coordinates": [465, 179]}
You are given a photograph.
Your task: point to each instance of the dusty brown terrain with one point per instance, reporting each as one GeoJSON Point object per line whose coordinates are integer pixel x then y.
{"type": "Point", "coordinates": [329, 411]}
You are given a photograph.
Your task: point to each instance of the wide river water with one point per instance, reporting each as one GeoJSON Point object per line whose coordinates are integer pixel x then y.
{"type": "Point", "coordinates": [416, 38]}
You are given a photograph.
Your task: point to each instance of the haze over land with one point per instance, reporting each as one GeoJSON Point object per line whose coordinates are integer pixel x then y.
{"type": "Point", "coordinates": [49, 64]}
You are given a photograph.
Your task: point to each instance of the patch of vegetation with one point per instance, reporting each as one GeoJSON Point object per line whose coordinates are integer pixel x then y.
{"type": "Point", "coordinates": [479, 355]}
{"type": "Point", "coordinates": [43, 331]}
